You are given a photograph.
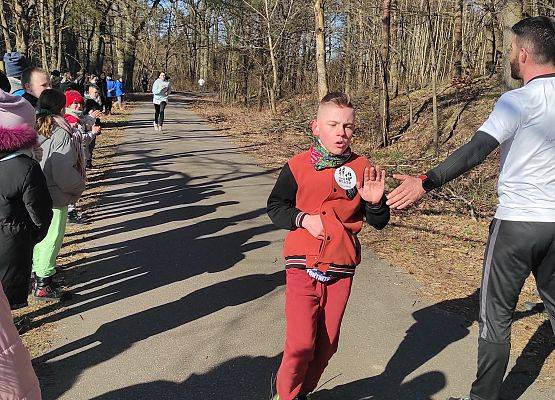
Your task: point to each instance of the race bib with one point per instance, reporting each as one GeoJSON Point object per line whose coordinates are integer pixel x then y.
{"type": "Point", "coordinates": [345, 178]}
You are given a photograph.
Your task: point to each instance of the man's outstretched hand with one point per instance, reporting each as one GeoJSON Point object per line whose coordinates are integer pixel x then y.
{"type": "Point", "coordinates": [408, 192]}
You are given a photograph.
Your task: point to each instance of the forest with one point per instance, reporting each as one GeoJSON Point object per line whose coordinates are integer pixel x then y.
{"type": "Point", "coordinates": [257, 52]}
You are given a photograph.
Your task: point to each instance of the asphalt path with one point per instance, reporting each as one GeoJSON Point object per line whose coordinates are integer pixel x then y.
{"type": "Point", "coordinates": [181, 294]}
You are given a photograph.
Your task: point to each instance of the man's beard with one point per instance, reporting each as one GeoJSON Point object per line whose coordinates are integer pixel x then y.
{"type": "Point", "coordinates": [515, 69]}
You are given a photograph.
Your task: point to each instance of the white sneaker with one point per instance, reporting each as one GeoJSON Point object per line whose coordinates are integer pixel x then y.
{"type": "Point", "coordinates": [155, 126]}
{"type": "Point", "coordinates": [160, 128]}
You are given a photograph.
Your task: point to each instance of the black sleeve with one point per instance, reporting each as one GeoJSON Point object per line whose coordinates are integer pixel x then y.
{"type": "Point", "coordinates": [377, 215]}
{"type": "Point", "coordinates": [281, 203]}
{"type": "Point", "coordinates": [37, 202]}
{"type": "Point", "coordinates": [462, 160]}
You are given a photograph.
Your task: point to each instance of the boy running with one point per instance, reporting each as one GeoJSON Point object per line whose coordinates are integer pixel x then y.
{"type": "Point", "coordinates": [322, 196]}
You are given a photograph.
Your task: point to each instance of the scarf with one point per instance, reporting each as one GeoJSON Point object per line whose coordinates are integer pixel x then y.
{"type": "Point", "coordinates": [74, 113]}
{"type": "Point", "coordinates": [321, 158]}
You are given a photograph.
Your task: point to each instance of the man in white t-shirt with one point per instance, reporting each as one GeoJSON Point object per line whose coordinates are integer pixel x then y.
{"type": "Point", "coordinates": [522, 234]}
{"type": "Point", "coordinates": [201, 83]}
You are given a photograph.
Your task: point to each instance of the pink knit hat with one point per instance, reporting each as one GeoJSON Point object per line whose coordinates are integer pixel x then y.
{"type": "Point", "coordinates": [17, 122]}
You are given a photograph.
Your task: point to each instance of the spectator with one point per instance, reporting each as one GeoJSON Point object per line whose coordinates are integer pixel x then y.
{"type": "Point", "coordinates": [110, 94]}
{"type": "Point", "coordinates": [79, 82]}
{"type": "Point", "coordinates": [103, 92]}
{"type": "Point", "coordinates": [120, 91]}
{"type": "Point", "coordinates": [144, 83]}
{"type": "Point", "coordinates": [55, 79]}
{"type": "Point", "coordinates": [84, 130]}
{"type": "Point", "coordinates": [65, 174]}
{"type": "Point", "coordinates": [17, 378]}
{"type": "Point", "coordinates": [15, 63]}
{"type": "Point", "coordinates": [25, 203]}
{"type": "Point", "coordinates": [93, 107]}
{"type": "Point", "coordinates": [34, 81]}
{"type": "Point", "coordinates": [66, 82]}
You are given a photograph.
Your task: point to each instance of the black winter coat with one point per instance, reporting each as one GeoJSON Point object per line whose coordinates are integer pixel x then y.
{"type": "Point", "coordinates": [25, 211]}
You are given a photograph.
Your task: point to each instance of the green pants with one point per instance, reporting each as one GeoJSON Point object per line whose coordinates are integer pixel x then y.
{"type": "Point", "coordinates": [45, 252]}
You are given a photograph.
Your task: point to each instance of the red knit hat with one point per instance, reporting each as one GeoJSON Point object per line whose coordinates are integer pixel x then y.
{"type": "Point", "coordinates": [73, 96]}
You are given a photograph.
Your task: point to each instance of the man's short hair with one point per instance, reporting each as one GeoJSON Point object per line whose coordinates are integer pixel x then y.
{"type": "Point", "coordinates": [538, 35]}
{"type": "Point", "coordinates": [29, 72]}
{"type": "Point", "coordinates": [340, 99]}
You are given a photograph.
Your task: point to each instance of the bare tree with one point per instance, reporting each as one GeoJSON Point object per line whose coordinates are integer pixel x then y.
{"type": "Point", "coordinates": [321, 69]}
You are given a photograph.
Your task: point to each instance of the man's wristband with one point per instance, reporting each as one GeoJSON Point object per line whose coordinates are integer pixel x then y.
{"type": "Point", "coordinates": [427, 184]}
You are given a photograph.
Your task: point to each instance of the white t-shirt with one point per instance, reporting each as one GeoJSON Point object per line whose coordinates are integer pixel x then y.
{"type": "Point", "coordinates": [201, 82]}
{"type": "Point", "coordinates": [523, 121]}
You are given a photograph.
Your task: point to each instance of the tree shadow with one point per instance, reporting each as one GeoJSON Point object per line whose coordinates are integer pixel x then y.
{"type": "Point", "coordinates": [240, 378]}
{"type": "Point", "coordinates": [530, 362]}
{"type": "Point", "coordinates": [62, 366]}
{"type": "Point", "coordinates": [436, 327]}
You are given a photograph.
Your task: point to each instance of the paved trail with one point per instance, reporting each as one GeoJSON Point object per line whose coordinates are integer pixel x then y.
{"type": "Point", "coordinates": [181, 294]}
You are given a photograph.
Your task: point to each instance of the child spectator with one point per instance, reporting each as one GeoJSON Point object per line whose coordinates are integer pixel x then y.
{"type": "Point", "coordinates": [120, 91]}
{"type": "Point", "coordinates": [25, 203]}
{"type": "Point", "coordinates": [322, 196]}
{"type": "Point", "coordinates": [93, 107]}
{"type": "Point", "coordinates": [110, 94]}
{"type": "Point", "coordinates": [14, 64]}
{"type": "Point", "coordinates": [34, 81]}
{"type": "Point", "coordinates": [85, 131]}
{"type": "Point", "coordinates": [65, 174]}
{"type": "Point", "coordinates": [17, 378]}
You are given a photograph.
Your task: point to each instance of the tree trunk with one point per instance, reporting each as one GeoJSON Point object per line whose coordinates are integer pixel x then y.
{"type": "Point", "coordinates": [348, 46]}
{"type": "Point", "coordinates": [458, 50]}
{"type": "Point", "coordinates": [320, 49]}
{"type": "Point", "coordinates": [5, 30]}
{"type": "Point", "coordinates": [394, 56]}
{"type": "Point", "coordinates": [384, 56]}
{"type": "Point", "coordinates": [361, 51]}
{"type": "Point", "coordinates": [43, 36]}
{"type": "Point", "coordinates": [511, 14]}
{"type": "Point", "coordinates": [22, 24]}
{"type": "Point", "coordinates": [52, 32]}
{"type": "Point", "coordinates": [61, 27]}
{"type": "Point", "coordinates": [433, 67]}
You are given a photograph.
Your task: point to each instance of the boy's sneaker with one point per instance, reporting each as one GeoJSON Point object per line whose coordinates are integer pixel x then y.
{"type": "Point", "coordinates": [90, 167]}
{"type": "Point", "coordinates": [74, 218]}
{"type": "Point", "coordinates": [155, 126]}
{"type": "Point", "coordinates": [18, 306]}
{"type": "Point", "coordinates": [47, 290]}
{"type": "Point", "coordinates": [22, 324]}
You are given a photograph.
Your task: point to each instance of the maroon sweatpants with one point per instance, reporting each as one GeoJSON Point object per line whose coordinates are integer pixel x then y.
{"type": "Point", "coordinates": [313, 312]}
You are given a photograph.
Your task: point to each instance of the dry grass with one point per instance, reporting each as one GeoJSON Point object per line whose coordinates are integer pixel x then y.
{"type": "Point", "coordinates": [42, 334]}
{"type": "Point", "coordinates": [437, 242]}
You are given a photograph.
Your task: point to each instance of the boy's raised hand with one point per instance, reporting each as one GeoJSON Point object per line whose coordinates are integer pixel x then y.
{"type": "Point", "coordinates": [372, 187]}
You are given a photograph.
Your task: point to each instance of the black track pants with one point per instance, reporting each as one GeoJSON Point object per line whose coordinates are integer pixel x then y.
{"type": "Point", "coordinates": [159, 113]}
{"type": "Point", "coordinates": [514, 250]}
